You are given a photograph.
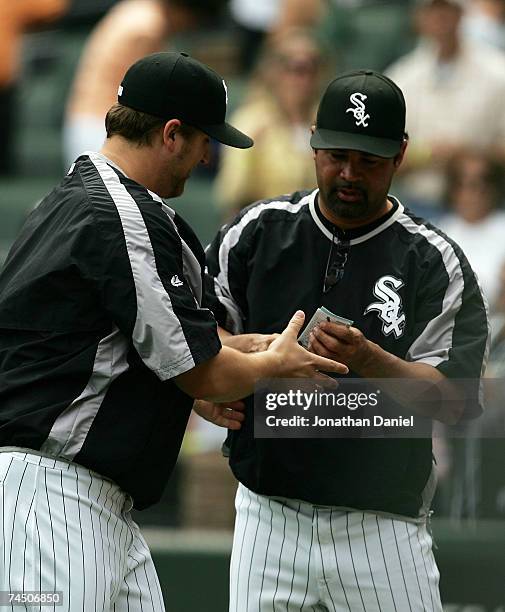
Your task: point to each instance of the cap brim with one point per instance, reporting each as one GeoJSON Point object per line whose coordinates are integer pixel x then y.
{"type": "Point", "coordinates": [228, 135]}
{"type": "Point", "coordinates": [328, 139]}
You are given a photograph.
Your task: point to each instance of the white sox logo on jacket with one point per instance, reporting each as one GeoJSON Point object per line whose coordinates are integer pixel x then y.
{"type": "Point", "coordinates": [390, 308]}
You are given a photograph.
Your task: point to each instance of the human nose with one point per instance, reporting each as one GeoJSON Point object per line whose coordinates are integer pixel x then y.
{"type": "Point", "coordinates": [349, 171]}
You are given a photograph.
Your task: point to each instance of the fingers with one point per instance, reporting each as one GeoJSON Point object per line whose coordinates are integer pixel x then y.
{"type": "Point", "coordinates": [264, 341]}
{"type": "Point", "coordinates": [229, 424]}
{"type": "Point", "coordinates": [295, 325]}
{"type": "Point", "coordinates": [320, 349]}
{"type": "Point", "coordinates": [337, 330]}
{"type": "Point", "coordinates": [329, 382]}
{"type": "Point", "coordinates": [229, 414]}
{"type": "Point", "coordinates": [329, 365]}
{"type": "Point", "coordinates": [323, 344]}
{"type": "Point", "coordinates": [269, 339]}
{"type": "Point", "coordinates": [234, 415]}
{"type": "Point", "coordinates": [237, 405]}
{"type": "Point", "coordinates": [232, 419]}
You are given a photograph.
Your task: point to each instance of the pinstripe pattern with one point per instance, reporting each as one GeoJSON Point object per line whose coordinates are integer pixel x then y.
{"type": "Point", "coordinates": [292, 556]}
{"type": "Point", "coordinates": [309, 561]}
{"type": "Point", "coordinates": [280, 555]}
{"type": "Point", "coordinates": [368, 559]}
{"type": "Point", "coordinates": [325, 575]}
{"type": "Point", "coordinates": [341, 583]}
{"type": "Point", "coordinates": [65, 528]}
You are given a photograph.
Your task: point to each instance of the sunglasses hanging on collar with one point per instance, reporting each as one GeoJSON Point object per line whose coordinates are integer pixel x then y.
{"type": "Point", "coordinates": [335, 264]}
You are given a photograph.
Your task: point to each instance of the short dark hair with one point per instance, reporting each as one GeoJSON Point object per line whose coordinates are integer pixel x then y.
{"type": "Point", "coordinates": [133, 125]}
{"type": "Point", "coordinates": [137, 127]}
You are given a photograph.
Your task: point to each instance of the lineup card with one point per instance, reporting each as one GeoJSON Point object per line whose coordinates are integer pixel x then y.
{"type": "Point", "coordinates": [321, 314]}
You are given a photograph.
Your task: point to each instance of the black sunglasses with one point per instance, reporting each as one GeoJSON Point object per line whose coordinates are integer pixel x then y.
{"type": "Point", "coordinates": [335, 264]}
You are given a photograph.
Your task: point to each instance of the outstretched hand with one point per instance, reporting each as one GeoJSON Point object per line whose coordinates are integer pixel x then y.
{"type": "Point", "coordinates": [295, 361]}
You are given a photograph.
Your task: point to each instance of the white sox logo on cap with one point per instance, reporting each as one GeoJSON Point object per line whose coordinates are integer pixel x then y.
{"type": "Point", "coordinates": [225, 92]}
{"type": "Point", "coordinates": [359, 109]}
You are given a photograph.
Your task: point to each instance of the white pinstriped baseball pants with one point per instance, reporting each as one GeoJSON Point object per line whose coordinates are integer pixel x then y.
{"type": "Point", "coordinates": [291, 556]}
{"type": "Point", "coordinates": [64, 528]}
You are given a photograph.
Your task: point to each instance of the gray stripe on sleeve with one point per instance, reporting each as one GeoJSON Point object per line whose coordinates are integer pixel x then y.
{"type": "Point", "coordinates": [190, 264]}
{"type": "Point", "coordinates": [230, 240]}
{"type": "Point", "coordinates": [433, 345]}
{"type": "Point", "coordinates": [157, 336]}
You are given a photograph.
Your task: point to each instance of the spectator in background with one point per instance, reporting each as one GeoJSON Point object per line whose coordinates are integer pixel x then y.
{"type": "Point", "coordinates": [454, 92]}
{"type": "Point", "coordinates": [300, 14]}
{"type": "Point", "coordinates": [370, 33]}
{"type": "Point", "coordinates": [477, 221]}
{"type": "Point", "coordinates": [471, 484]}
{"type": "Point", "coordinates": [485, 22]}
{"type": "Point", "coordinates": [16, 17]}
{"type": "Point", "coordinates": [254, 20]}
{"type": "Point", "coordinates": [278, 112]}
{"type": "Point", "coordinates": [361, 33]}
{"type": "Point", "coordinates": [129, 31]}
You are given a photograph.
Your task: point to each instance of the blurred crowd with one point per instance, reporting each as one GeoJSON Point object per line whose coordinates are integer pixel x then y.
{"type": "Point", "coordinates": [448, 57]}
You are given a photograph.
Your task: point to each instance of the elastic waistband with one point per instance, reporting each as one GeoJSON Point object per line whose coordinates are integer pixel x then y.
{"type": "Point", "coordinates": [35, 457]}
{"type": "Point", "coordinates": [308, 508]}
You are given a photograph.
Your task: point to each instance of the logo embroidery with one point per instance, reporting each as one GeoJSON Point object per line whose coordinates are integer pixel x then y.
{"type": "Point", "coordinates": [390, 309]}
{"type": "Point", "coordinates": [176, 281]}
{"type": "Point", "coordinates": [120, 90]}
{"type": "Point", "coordinates": [359, 109]}
{"type": "Point", "coordinates": [226, 92]}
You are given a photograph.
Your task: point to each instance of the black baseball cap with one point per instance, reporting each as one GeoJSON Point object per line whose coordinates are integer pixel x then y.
{"type": "Point", "coordinates": [173, 85]}
{"type": "Point", "coordinates": [361, 110]}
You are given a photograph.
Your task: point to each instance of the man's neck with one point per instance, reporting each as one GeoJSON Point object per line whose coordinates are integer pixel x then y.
{"type": "Point", "coordinates": [135, 162]}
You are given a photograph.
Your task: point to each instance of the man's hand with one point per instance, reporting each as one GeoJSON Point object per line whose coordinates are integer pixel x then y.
{"type": "Point", "coordinates": [229, 414]}
{"type": "Point", "coordinates": [231, 375]}
{"type": "Point", "coordinates": [249, 343]}
{"type": "Point", "coordinates": [341, 343]}
{"type": "Point", "coordinates": [295, 361]}
{"type": "Point", "coordinates": [348, 345]}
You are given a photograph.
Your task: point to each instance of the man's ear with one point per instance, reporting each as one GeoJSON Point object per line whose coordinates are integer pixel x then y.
{"type": "Point", "coordinates": [399, 158]}
{"type": "Point", "coordinates": [170, 132]}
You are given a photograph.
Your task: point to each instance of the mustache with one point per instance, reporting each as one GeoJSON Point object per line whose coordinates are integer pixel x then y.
{"type": "Point", "coordinates": [345, 185]}
{"type": "Point", "coordinates": [353, 186]}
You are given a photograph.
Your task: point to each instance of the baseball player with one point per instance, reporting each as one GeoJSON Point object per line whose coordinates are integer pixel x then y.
{"type": "Point", "coordinates": [105, 339]}
{"type": "Point", "coordinates": [341, 524]}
